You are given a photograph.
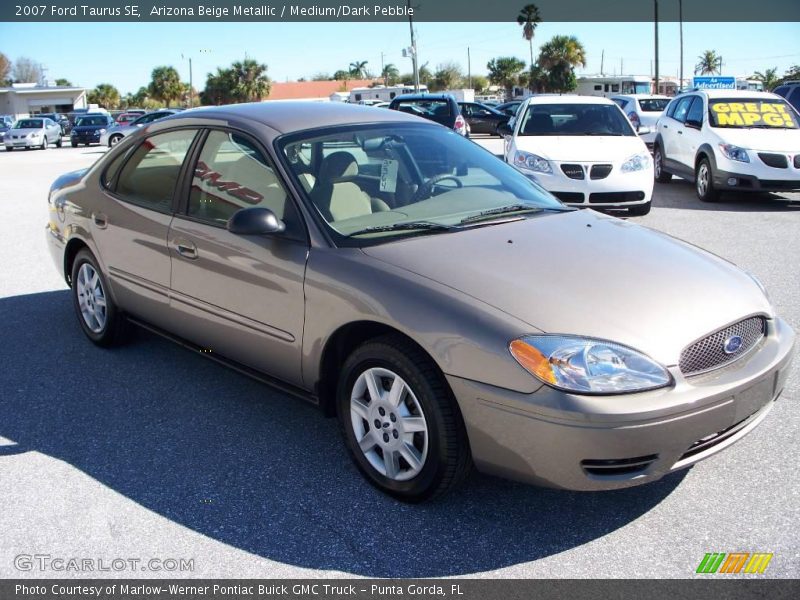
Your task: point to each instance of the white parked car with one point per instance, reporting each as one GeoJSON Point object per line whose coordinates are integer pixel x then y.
{"type": "Point", "coordinates": [33, 133]}
{"type": "Point", "coordinates": [643, 110]}
{"type": "Point", "coordinates": [729, 140]}
{"type": "Point", "coordinates": [583, 150]}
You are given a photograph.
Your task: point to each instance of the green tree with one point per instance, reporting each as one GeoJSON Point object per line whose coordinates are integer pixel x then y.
{"type": "Point", "coordinates": [358, 69]}
{"type": "Point", "coordinates": [341, 75]}
{"type": "Point", "coordinates": [137, 99]}
{"type": "Point", "coordinates": [529, 19]}
{"type": "Point", "coordinates": [165, 85]}
{"type": "Point", "coordinates": [63, 82]}
{"type": "Point", "coordinates": [390, 74]}
{"type": "Point", "coordinates": [559, 57]}
{"type": "Point", "coordinates": [425, 75]}
{"type": "Point", "coordinates": [505, 71]}
{"type": "Point", "coordinates": [219, 88]}
{"type": "Point", "coordinates": [479, 83]}
{"type": "Point", "coordinates": [447, 76]}
{"type": "Point", "coordinates": [709, 63]}
{"type": "Point", "coordinates": [251, 83]}
{"type": "Point", "coordinates": [321, 76]}
{"type": "Point", "coordinates": [768, 78]}
{"type": "Point", "coordinates": [104, 95]}
{"type": "Point", "coordinates": [792, 74]}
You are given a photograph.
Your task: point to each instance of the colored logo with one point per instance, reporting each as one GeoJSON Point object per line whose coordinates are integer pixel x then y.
{"type": "Point", "coordinates": [732, 344]}
{"type": "Point", "coordinates": [735, 562]}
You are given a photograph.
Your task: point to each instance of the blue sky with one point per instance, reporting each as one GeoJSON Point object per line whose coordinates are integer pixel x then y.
{"type": "Point", "coordinates": [123, 54]}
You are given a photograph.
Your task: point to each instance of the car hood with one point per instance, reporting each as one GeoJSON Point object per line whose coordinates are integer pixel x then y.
{"type": "Point", "coordinates": [776, 140]}
{"type": "Point", "coordinates": [588, 274]}
{"type": "Point", "coordinates": [579, 148]}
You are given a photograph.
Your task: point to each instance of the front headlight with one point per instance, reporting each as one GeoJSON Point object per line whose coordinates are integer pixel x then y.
{"type": "Point", "coordinates": [35, 134]}
{"type": "Point", "coordinates": [531, 162]}
{"type": "Point", "coordinates": [637, 162]}
{"type": "Point", "coordinates": [102, 131]}
{"type": "Point", "coordinates": [587, 366]}
{"type": "Point", "coordinates": [734, 152]}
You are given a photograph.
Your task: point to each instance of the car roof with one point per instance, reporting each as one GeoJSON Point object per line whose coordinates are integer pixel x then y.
{"type": "Point", "coordinates": [569, 99]}
{"type": "Point", "coordinates": [733, 94]}
{"type": "Point", "coordinates": [642, 96]}
{"type": "Point", "coordinates": [424, 97]}
{"type": "Point", "coordinates": [294, 115]}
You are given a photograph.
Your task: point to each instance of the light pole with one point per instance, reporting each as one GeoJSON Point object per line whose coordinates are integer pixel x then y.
{"type": "Point", "coordinates": [655, 2]}
{"type": "Point", "coordinates": [413, 48]}
{"type": "Point", "coordinates": [191, 84]}
{"type": "Point", "coordinates": [680, 22]}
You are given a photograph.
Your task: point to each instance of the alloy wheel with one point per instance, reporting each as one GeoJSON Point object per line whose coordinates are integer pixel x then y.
{"type": "Point", "coordinates": [389, 424]}
{"type": "Point", "coordinates": [702, 180]}
{"type": "Point", "coordinates": [91, 298]}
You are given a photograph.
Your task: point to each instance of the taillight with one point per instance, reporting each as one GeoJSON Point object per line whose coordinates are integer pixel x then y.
{"type": "Point", "coordinates": [634, 119]}
{"type": "Point", "coordinates": [461, 124]}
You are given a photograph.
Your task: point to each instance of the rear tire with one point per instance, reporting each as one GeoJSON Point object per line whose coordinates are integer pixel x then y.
{"type": "Point", "coordinates": [9, 149]}
{"type": "Point", "coordinates": [401, 422]}
{"type": "Point", "coordinates": [639, 210]}
{"type": "Point", "coordinates": [44, 143]}
{"type": "Point", "coordinates": [74, 144]}
{"type": "Point", "coordinates": [100, 319]}
{"type": "Point", "coordinates": [59, 142]}
{"type": "Point", "coordinates": [704, 182]}
{"type": "Point", "coordinates": [661, 176]}
{"type": "Point", "coordinates": [114, 140]}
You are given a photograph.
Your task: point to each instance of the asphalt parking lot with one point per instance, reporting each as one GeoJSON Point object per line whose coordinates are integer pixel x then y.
{"type": "Point", "coordinates": [150, 451]}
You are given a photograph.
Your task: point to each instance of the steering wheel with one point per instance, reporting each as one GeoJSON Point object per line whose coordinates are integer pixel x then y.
{"type": "Point", "coordinates": [426, 189]}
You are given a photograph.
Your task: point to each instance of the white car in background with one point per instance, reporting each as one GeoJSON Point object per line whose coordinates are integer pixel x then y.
{"type": "Point", "coordinates": [35, 132]}
{"type": "Point", "coordinates": [643, 110]}
{"type": "Point", "coordinates": [742, 141]}
{"type": "Point", "coordinates": [583, 150]}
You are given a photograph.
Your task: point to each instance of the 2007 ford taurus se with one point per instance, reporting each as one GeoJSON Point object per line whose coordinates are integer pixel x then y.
{"type": "Point", "coordinates": [445, 308]}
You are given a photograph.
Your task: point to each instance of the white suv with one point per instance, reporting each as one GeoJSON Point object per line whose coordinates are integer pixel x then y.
{"type": "Point", "coordinates": [729, 140]}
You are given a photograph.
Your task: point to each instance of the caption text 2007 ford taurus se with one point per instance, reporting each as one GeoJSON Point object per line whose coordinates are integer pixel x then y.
{"type": "Point", "coordinates": [448, 310]}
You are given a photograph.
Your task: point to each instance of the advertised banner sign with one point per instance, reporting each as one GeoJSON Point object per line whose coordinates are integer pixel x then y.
{"type": "Point", "coordinates": [714, 83]}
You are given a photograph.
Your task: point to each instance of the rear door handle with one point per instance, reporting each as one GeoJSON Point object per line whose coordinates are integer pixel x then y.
{"type": "Point", "coordinates": [680, 132]}
{"type": "Point", "coordinates": [100, 220]}
{"type": "Point", "coordinates": [185, 249]}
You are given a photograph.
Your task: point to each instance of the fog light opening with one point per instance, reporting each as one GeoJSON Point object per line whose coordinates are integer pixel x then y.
{"type": "Point", "coordinates": [732, 181]}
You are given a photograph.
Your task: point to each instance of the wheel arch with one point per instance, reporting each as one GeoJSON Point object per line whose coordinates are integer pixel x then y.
{"type": "Point", "coordinates": [707, 152]}
{"type": "Point", "coordinates": [340, 345]}
{"type": "Point", "coordinates": [74, 245]}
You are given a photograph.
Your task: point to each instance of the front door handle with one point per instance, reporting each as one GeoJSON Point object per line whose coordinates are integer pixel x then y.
{"type": "Point", "coordinates": [185, 249]}
{"type": "Point", "coordinates": [100, 220]}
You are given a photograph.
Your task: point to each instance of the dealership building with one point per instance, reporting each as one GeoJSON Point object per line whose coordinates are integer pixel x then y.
{"type": "Point", "coordinates": [25, 99]}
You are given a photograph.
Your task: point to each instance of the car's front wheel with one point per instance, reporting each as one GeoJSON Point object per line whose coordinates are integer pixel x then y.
{"type": "Point", "coordinates": [704, 182]}
{"type": "Point", "coordinates": [401, 422]}
{"type": "Point", "coordinates": [660, 174]}
{"type": "Point", "coordinates": [99, 317]}
{"type": "Point", "coordinates": [59, 142]}
{"type": "Point", "coordinates": [44, 143]}
{"type": "Point", "coordinates": [114, 140]}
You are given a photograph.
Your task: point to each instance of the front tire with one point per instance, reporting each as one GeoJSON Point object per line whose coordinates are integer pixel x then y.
{"type": "Point", "coordinates": [59, 142]}
{"type": "Point", "coordinates": [44, 143]}
{"type": "Point", "coordinates": [99, 317]}
{"type": "Point", "coordinates": [704, 182]}
{"type": "Point", "coordinates": [74, 144]}
{"type": "Point", "coordinates": [661, 176]}
{"type": "Point", "coordinates": [114, 140]}
{"type": "Point", "coordinates": [400, 421]}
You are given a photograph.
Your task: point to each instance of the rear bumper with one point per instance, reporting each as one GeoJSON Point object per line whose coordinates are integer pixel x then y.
{"type": "Point", "coordinates": [608, 442]}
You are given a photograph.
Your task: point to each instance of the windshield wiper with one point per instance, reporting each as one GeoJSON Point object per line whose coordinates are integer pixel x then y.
{"type": "Point", "coordinates": [407, 226]}
{"type": "Point", "coordinates": [513, 209]}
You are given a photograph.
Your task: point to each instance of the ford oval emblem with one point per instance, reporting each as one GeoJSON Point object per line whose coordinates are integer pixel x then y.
{"type": "Point", "coordinates": [732, 344]}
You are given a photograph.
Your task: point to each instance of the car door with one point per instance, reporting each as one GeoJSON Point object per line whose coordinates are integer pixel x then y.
{"type": "Point", "coordinates": [485, 119]}
{"type": "Point", "coordinates": [672, 131]}
{"type": "Point", "coordinates": [131, 222]}
{"type": "Point", "coordinates": [692, 132]}
{"type": "Point", "coordinates": [52, 131]}
{"type": "Point", "coordinates": [239, 296]}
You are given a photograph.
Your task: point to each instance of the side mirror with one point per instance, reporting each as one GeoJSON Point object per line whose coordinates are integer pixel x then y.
{"type": "Point", "coordinates": [644, 130]}
{"type": "Point", "coordinates": [505, 129]}
{"type": "Point", "coordinates": [255, 221]}
{"type": "Point", "coordinates": [693, 124]}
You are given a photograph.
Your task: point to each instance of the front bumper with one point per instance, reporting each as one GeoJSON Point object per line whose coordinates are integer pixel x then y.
{"type": "Point", "coordinates": [742, 182]}
{"type": "Point", "coordinates": [22, 143]}
{"type": "Point", "coordinates": [616, 190]}
{"type": "Point", "coordinates": [84, 138]}
{"type": "Point", "coordinates": [561, 440]}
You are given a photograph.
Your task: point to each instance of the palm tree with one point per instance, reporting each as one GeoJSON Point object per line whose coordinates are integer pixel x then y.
{"type": "Point", "coordinates": [165, 85]}
{"type": "Point", "coordinates": [358, 69]}
{"type": "Point", "coordinates": [529, 19]}
{"type": "Point", "coordinates": [709, 63]}
{"type": "Point", "coordinates": [252, 83]}
{"type": "Point", "coordinates": [106, 95]}
{"type": "Point", "coordinates": [559, 57]}
{"type": "Point", "coordinates": [390, 74]}
{"type": "Point", "coordinates": [768, 78]}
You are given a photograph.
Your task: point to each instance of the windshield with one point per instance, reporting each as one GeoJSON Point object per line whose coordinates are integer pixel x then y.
{"type": "Point", "coordinates": [405, 179]}
{"type": "Point", "coordinates": [427, 108]}
{"type": "Point", "coordinates": [575, 119]}
{"type": "Point", "coordinates": [29, 124]}
{"type": "Point", "coordinates": [86, 121]}
{"type": "Point", "coordinates": [653, 104]}
{"type": "Point", "coordinates": [766, 113]}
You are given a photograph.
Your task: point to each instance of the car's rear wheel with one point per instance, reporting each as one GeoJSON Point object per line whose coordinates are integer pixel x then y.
{"type": "Point", "coordinates": [704, 182]}
{"type": "Point", "coordinates": [660, 174]}
{"type": "Point", "coordinates": [114, 140]}
{"type": "Point", "coordinates": [639, 210]}
{"type": "Point", "coordinates": [59, 142]}
{"type": "Point", "coordinates": [400, 421]}
{"type": "Point", "coordinates": [74, 144]}
{"type": "Point", "coordinates": [9, 149]}
{"type": "Point", "coordinates": [99, 317]}
{"type": "Point", "coordinates": [44, 142]}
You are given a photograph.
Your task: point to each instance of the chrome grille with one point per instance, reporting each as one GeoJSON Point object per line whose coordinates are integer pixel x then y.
{"type": "Point", "coordinates": [711, 353]}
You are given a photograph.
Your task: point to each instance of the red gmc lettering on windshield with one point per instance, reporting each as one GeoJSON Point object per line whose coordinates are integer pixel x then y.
{"type": "Point", "coordinates": [212, 178]}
